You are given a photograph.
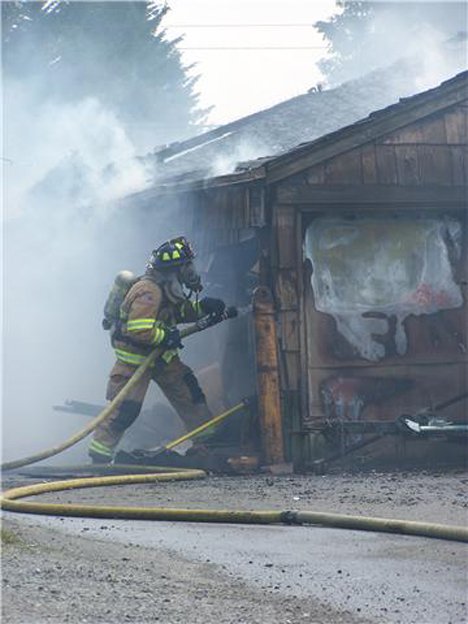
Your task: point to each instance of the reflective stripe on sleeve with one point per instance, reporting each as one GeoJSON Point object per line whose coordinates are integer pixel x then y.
{"type": "Point", "coordinates": [129, 358]}
{"type": "Point", "coordinates": [159, 333]}
{"type": "Point", "coordinates": [139, 324]}
{"type": "Point", "coordinates": [145, 324]}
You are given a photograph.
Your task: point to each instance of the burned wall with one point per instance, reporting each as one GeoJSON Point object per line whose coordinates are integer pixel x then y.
{"type": "Point", "coordinates": [370, 264]}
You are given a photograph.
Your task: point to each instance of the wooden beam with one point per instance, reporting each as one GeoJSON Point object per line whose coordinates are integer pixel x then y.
{"type": "Point", "coordinates": [343, 195]}
{"type": "Point", "coordinates": [268, 383]}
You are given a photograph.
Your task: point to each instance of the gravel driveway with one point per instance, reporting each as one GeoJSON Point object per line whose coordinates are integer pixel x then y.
{"type": "Point", "coordinates": [57, 570]}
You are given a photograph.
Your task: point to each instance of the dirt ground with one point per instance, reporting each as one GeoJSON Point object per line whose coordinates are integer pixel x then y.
{"type": "Point", "coordinates": [52, 576]}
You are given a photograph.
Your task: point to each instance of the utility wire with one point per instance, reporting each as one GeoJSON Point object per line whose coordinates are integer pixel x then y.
{"type": "Point", "coordinates": [257, 48]}
{"type": "Point", "coordinates": [237, 25]}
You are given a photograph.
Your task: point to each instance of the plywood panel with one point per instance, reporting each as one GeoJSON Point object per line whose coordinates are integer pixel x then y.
{"type": "Point", "coordinates": [458, 157]}
{"type": "Point", "coordinates": [289, 331]}
{"type": "Point", "coordinates": [407, 165]}
{"type": "Point", "coordinates": [456, 126]}
{"type": "Point", "coordinates": [369, 164]}
{"type": "Point", "coordinates": [286, 236]}
{"type": "Point", "coordinates": [286, 290]}
{"type": "Point", "coordinates": [450, 127]}
{"type": "Point", "coordinates": [386, 164]}
{"type": "Point", "coordinates": [255, 206]}
{"type": "Point", "coordinates": [435, 164]}
{"type": "Point", "coordinates": [290, 370]}
{"type": "Point", "coordinates": [378, 197]}
{"type": "Point", "coordinates": [410, 134]}
{"type": "Point", "coordinates": [345, 168]}
{"type": "Point", "coordinates": [465, 152]}
{"type": "Point", "coordinates": [433, 130]}
{"type": "Point", "coordinates": [316, 175]}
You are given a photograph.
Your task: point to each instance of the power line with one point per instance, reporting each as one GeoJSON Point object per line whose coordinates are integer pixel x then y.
{"type": "Point", "coordinates": [237, 25]}
{"type": "Point", "coordinates": [257, 48]}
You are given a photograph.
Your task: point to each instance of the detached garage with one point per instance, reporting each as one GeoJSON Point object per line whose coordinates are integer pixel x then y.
{"type": "Point", "coordinates": [353, 250]}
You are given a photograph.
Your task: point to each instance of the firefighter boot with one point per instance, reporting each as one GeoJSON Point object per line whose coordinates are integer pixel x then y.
{"type": "Point", "coordinates": [100, 453]}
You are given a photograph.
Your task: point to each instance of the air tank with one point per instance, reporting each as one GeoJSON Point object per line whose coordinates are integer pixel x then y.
{"type": "Point", "coordinates": [122, 284]}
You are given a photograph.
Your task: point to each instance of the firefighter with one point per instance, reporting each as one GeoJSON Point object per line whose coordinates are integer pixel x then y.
{"type": "Point", "coordinates": [149, 314]}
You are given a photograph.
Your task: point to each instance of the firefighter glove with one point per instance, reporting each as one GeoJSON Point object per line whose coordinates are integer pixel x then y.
{"type": "Point", "coordinates": [172, 339]}
{"type": "Point", "coordinates": [214, 307]}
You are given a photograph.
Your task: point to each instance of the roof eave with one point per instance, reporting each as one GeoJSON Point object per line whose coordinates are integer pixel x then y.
{"type": "Point", "coordinates": [243, 177]}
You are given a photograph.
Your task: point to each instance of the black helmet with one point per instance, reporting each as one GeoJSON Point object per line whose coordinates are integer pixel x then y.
{"type": "Point", "coordinates": [172, 253]}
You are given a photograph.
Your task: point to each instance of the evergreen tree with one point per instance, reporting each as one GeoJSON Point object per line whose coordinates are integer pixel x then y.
{"type": "Point", "coordinates": [117, 52]}
{"type": "Point", "coordinates": [364, 35]}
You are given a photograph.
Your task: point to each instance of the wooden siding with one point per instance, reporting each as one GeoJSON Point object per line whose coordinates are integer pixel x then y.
{"type": "Point", "coordinates": [422, 167]}
{"type": "Point", "coordinates": [433, 151]}
{"type": "Point", "coordinates": [436, 102]}
{"type": "Point", "coordinates": [221, 215]}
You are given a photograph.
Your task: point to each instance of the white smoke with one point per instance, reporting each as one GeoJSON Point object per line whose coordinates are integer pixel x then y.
{"type": "Point", "coordinates": [226, 163]}
{"type": "Point", "coordinates": [436, 55]}
{"type": "Point", "coordinates": [64, 165]}
{"type": "Point", "coordinates": [429, 36]}
{"type": "Point", "coordinates": [43, 136]}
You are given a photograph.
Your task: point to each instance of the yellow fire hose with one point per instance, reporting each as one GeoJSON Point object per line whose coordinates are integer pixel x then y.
{"type": "Point", "coordinates": [9, 500]}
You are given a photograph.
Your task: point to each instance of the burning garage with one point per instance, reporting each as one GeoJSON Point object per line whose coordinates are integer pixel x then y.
{"type": "Point", "coordinates": [351, 252]}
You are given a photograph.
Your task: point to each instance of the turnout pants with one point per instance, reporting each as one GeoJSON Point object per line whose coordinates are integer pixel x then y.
{"type": "Point", "coordinates": [177, 382]}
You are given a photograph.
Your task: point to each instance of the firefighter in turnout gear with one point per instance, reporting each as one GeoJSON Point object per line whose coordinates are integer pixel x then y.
{"type": "Point", "coordinates": [149, 314]}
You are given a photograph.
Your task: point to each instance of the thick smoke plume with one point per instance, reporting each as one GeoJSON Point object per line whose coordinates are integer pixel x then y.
{"type": "Point", "coordinates": [65, 163]}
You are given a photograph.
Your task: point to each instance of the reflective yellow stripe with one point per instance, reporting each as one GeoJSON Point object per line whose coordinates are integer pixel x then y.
{"type": "Point", "coordinates": [167, 356]}
{"type": "Point", "coordinates": [99, 447]}
{"type": "Point", "coordinates": [183, 308]}
{"type": "Point", "coordinates": [159, 335]}
{"type": "Point", "coordinates": [129, 358]}
{"type": "Point", "coordinates": [194, 306]}
{"type": "Point", "coordinates": [133, 358]}
{"type": "Point", "coordinates": [141, 323]}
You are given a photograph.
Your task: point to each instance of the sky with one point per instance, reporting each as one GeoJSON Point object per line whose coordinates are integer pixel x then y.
{"type": "Point", "coordinates": [250, 54]}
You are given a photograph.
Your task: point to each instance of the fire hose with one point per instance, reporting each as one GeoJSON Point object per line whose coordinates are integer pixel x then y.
{"type": "Point", "coordinates": [9, 500]}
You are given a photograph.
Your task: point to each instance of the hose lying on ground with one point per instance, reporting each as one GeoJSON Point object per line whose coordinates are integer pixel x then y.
{"type": "Point", "coordinates": [9, 501]}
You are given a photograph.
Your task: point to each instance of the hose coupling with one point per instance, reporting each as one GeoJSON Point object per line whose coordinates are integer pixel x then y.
{"type": "Point", "coordinates": [289, 517]}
